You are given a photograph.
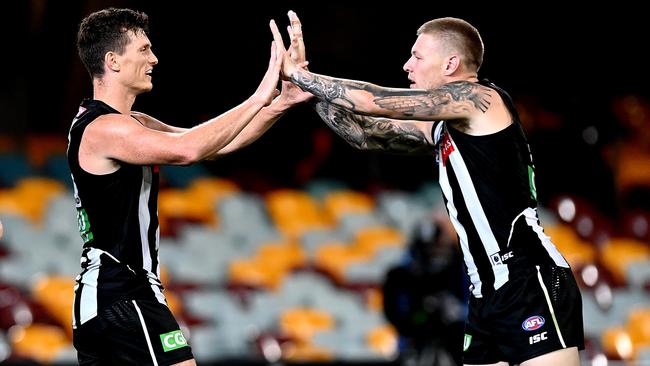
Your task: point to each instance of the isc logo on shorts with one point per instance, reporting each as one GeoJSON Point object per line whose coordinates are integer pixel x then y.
{"type": "Point", "coordinates": [533, 323]}
{"type": "Point", "coordinates": [537, 338]}
{"type": "Point", "coordinates": [173, 340]}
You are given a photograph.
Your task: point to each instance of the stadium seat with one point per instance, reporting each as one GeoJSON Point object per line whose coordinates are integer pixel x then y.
{"type": "Point", "coordinates": [383, 340]}
{"type": "Point", "coordinates": [618, 254]}
{"type": "Point", "coordinates": [295, 212]}
{"type": "Point", "coordinates": [638, 327]}
{"type": "Point", "coordinates": [302, 323]}
{"type": "Point", "coordinates": [40, 342]}
{"type": "Point", "coordinates": [577, 252]}
{"type": "Point", "coordinates": [56, 294]}
{"type": "Point", "coordinates": [340, 203]}
{"type": "Point", "coordinates": [617, 343]}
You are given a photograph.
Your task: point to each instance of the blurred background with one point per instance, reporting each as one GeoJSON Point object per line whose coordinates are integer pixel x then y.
{"type": "Point", "coordinates": [279, 252]}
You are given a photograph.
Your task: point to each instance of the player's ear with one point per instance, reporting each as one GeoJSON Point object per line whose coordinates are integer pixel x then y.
{"type": "Point", "coordinates": [111, 61]}
{"type": "Point", "coordinates": [451, 64]}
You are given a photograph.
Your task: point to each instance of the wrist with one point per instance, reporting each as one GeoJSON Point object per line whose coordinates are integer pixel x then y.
{"type": "Point", "coordinates": [279, 105]}
{"type": "Point", "coordinates": [256, 101]}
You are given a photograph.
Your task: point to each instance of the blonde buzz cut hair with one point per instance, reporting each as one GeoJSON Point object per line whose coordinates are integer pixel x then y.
{"type": "Point", "coordinates": [459, 35]}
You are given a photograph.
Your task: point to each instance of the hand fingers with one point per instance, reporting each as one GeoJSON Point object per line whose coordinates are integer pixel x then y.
{"type": "Point", "coordinates": [273, 53]}
{"type": "Point", "coordinates": [297, 47]}
{"type": "Point", "coordinates": [277, 37]}
{"type": "Point", "coordinates": [290, 31]}
{"type": "Point", "coordinates": [296, 28]}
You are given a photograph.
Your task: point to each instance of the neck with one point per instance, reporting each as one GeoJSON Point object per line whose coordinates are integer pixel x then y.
{"type": "Point", "coordinates": [468, 76]}
{"type": "Point", "coordinates": [118, 97]}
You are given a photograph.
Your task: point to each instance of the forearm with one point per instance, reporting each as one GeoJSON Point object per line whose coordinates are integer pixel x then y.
{"type": "Point", "coordinates": [456, 100]}
{"type": "Point", "coordinates": [356, 96]}
{"type": "Point", "coordinates": [369, 133]}
{"type": "Point", "coordinates": [262, 121]}
{"type": "Point", "coordinates": [208, 138]}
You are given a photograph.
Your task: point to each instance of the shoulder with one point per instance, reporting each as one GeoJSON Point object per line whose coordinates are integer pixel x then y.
{"type": "Point", "coordinates": [112, 125]}
{"type": "Point", "coordinates": [463, 91]}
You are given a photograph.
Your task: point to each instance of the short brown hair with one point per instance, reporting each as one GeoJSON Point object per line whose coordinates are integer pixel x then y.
{"type": "Point", "coordinates": [104, 31]}
{"type": "Point", "coordinates": [460, 35]}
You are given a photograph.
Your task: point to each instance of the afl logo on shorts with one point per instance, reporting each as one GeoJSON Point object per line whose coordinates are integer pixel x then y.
{"type": "Point", "coordinates": [533, 323]}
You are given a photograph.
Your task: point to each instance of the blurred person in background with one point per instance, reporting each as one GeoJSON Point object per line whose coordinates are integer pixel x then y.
{"type": "Point", "coordinates": [525, 307]}
{"type": "Point", "coordinates": [120, 314]}
{"type": "Point", "coordinates": [424, 298]}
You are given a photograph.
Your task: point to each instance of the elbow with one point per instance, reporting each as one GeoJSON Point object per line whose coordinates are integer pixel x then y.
{"type": "Point", "coordinates": [187, 156]}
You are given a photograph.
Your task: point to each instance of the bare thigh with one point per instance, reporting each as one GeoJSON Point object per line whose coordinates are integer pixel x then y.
{"type": "Point", "coordinates": [186, 363]}
{"type": "Point", "coordinates": [565, 357]}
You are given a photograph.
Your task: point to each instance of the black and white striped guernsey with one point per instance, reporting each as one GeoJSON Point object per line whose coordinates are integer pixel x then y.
{"type": "Point", "coordinates": [488, 183]}
{"type": "Point", "coordinates": [118, 221]}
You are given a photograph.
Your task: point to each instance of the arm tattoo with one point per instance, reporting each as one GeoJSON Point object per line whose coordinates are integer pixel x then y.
{"type": "Point", "coordinates": [458, 97]}
{"type": "Point", "coordinates": [325, 89]}
{"type": "Point", "coordinates": [369, 133]}
{"type": "Point", "coordinates": [452, 98]}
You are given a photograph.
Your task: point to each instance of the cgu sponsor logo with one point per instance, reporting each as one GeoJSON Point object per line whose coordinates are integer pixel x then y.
{"type": "Point", "coordinates": [173, 340]}
{"type": "Point", "coordinates": [533, 323]}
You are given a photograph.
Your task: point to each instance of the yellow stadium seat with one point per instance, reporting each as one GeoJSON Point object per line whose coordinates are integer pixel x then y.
{"type": "Point", "coordinates": [576, 251]}
{"type": "Point", "coordinates": [638, 327]}
{"type": "Point", "coordinates": [335, 257]}
{"type": "Point", "coordinates": [56, 294]}
{"type": "Point", "coordinates": [212, 189]}
{"type": "Point", "coordinates": [617, 254]}
{"type": "Point", "coordinates": [370, 239]}
{"type": "Point", "coordinates": [302, 323]}
{"type": "Point", "coordinates": [375, 299]}
{"type": "Point", "coordinates": [617, 343]}
{"type": "Point", "coordinates": [340, 203]}
{"type": "Point", "coordinates": [287, 255]}
{"type": "Point", "coordinates": [39, 342]}
{"type": "Point", "coordinates": [30, 197]}
{"type": "Point", "coordinates": [305, 352]}
{"type": "Point", "coordinates": [180, 204]}
{"type": "Point", "coordinates": [383, 340]}
{"type": "Point", "coordinates": [295, 212]}
{"type": "Point", "coordinates": [174, 303]}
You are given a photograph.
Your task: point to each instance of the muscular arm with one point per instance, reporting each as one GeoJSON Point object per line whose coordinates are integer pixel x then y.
{"type": "Point", "coordinates": [155, 124]}
{"type": "Point", "coordinates": [457, 100]}
{"type": "Point", "coordinates": [262, 121]}
{"type": "Point", "coordinates": [112, 138]}
{"type": "Point", "coordinates": [370, 133]}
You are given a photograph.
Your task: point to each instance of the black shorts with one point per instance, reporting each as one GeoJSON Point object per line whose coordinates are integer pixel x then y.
{"type": "Point", "coordinates": [536, 312]}
{"type": "Point", "coordinates": [131, 332]}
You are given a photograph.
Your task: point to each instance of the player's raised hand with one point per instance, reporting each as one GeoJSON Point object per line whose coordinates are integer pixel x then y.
{"type": "Point", "coordinates": [297, 48]}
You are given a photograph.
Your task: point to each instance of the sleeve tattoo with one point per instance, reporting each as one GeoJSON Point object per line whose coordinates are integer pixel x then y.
{"type": "Point", "coordinates": [452, 98]}
{"type": "Point", "coordinates": [370, 133]}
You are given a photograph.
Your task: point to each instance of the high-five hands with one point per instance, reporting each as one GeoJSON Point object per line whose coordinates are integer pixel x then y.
{"type": "Point", "coordinates": [297, 49]}
{"type": "Point", "coordinates": [294, 57]}
{"type": "Point", "coordinates": [266, 91]}
{"type": "Point", "coordinates": [288, 63]}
